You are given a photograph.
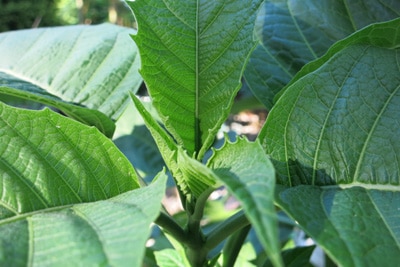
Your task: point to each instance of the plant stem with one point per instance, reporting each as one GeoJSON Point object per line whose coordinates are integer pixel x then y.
{"type": "Point", "coordinates": [172, 227]}
{"type": "Point", "coordinates": [226, 228]}
{"type": "Point", "coordinates": [196, 251]}
{"type": "Point", "coordinates": [233, 245]}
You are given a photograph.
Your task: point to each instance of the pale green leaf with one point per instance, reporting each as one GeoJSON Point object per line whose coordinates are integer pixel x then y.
{"type": "Point", "coordinates": [250, 177]}
{"type": "Point", "coordinates": [293, 33]}
{"type": "Point", "coordinates": [110, 232]}
{"type": "Point", "coordinates": [93, 66]}
{"type": "Point", "coordinates": [193, 53]}
{"type": "Point", "coordinates": [47, 160]}
{"type": "Point", "coordinates": [169, 258]}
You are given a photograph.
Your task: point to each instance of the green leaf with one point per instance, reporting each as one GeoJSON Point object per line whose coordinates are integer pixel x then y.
{"type": "Point", "coordinates": [93, 66]}
{"type": "Point", "coordinates": [169, 258]}
{"type": "Point", "coordinates": [29, 91]}
{"type": "Point", "coordinates": [338, 123]}
{"type": "Point", "coordinates": [295, 257]}
{"type": "Point", "coordinates": [356, 226]}
{"type": "Point", "coordinates": [165, 143]}
{"type": "Point", "coordinates": [336, 126]}
{"type": "Point", "coordinates": [110, 232]}
{"type": "Point", "coordinates": [135, 141]}
{"type": "Point", "coordinates": [252, 183]}
{"type": "Point", "coordinates": [293, 33]}
{"type": "Point", "coordinates": [194, 71]}
{"type": "Point", "coordinates": [191, 176]}
{"type": "Point", "coordinates": [47, 160]}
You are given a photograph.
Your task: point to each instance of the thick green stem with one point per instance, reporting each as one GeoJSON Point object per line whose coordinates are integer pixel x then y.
{"type": "Point", "coordinates": [226, 228]}
{"type": "Point", "coordinates": [169, 225]}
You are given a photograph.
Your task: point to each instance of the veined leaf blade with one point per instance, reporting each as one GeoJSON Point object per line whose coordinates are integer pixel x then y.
{"type": "Point", "coordinates": [336, 126]}
{"type": "Point", "coordinates": [194, 71]}
{"type": "Point", "coordinates": [108, 232]}
{"type": "Point", "coordinates": [47, 160]}
{"type": "Point", "coordinates": [252, 182]}
{"type": "Point", "coordinates": [356, 226]}
{"type": "Point", "coordinates": [93, 66]}
{"type": "Point", "coordinates": [293, 33]}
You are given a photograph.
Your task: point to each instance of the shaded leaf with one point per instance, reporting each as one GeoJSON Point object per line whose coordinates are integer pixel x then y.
{"type": "Point", "coordinates": [252, 183]}
{"type": "Point", "coordinates": [293, 33]}
{"type": "Point", "coordinates": [295, 257]}
{"type": "Point", "coordinates": [135, 141]}
{"type": "Point", "coordinates": [193, 81]}
{"type": "Point", "coordinates": [337, 125]}
{"type": "Point", "coordinates": [93, 66]}
{"type": "Point", "coordinates": [339, 122]}
{"type": "Point", "coordinates": [28, 91]}
{"type": "Point", "coordinates": [356, 226]}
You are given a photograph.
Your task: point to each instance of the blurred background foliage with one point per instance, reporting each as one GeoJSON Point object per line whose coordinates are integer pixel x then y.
{"type": "Point", "coordinates": [24, 14]}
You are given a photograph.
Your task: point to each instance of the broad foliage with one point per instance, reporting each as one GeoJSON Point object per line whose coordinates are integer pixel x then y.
{"type": "Point", "coordinates": [328, 155]}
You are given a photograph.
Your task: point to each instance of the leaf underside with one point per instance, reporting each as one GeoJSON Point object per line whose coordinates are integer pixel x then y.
{"type": "Point", "coordinates": [93, 66]}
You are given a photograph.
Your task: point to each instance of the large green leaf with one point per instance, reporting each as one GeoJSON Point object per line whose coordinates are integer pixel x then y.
{"type": "Point", "coordinates": [252, 182]}
{"type": "Point", "coordinates": [337, 126]}
{"type": "Point", "coordinates": [94, 66]}
{"type": "Point", "coordinates": [47, 160]}
{"type": "Point", "coordinates": [50, 167]}
{"type": "Point", "coordinates": [110, 232]}
{"type": "Point", "coordinates": [293, 33]}
{"type": "Point", "coordinates": [193, 53]}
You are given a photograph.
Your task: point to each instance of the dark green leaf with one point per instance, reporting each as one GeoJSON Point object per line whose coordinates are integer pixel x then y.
{"type": "Point", "coordinates": [293, 33]}
{"type": "Point", "coordinates": [356, 226]}
{"type": "Point", "coordinates": [295, 257]}
{"type": "Point", "coordinates": [337, 125]}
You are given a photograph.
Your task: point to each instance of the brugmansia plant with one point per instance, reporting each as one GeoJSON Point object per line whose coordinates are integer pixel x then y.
{"type": "Point", "coordinates": [328, 155]}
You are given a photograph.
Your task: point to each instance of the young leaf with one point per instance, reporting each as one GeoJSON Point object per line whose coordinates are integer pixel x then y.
{"type": "Point", "coordinates": [47, 160]}
{"type": "Point", "coordinates": [109, 232]}
{"type": "Point", "coordinates": [337, 126]}
{"type": "Point", "coordinates": [193, 73]}
{"type": "Point", "coordinates": [293, 33]}
{"type": "Point", "coordinates": [191, 176]}
{"type": "Point", "coordinates": [94, 66]}
{"type": "Point", "coordinates": [252, 183]}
